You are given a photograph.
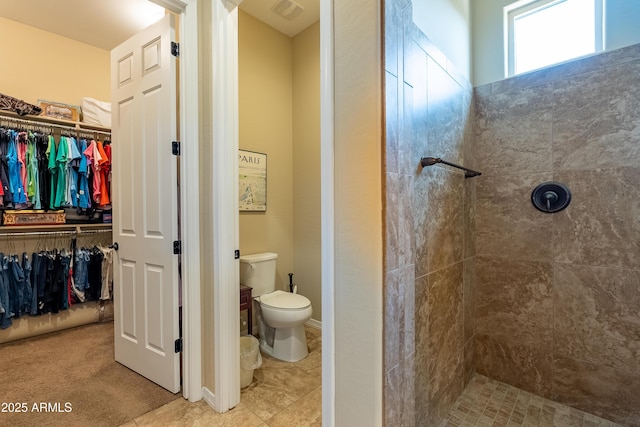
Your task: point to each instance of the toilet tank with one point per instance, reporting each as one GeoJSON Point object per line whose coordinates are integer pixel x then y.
{"type": "Point", "coordinates": [259, 272]}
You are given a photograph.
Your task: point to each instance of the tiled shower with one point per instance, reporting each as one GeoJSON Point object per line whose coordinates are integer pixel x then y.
{"type": "Point", "coordinates": [477, 279]}
{"type": "Point", "coordinates": [558, 295]}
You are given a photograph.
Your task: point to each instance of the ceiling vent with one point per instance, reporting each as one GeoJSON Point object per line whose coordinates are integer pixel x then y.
{"type": "Point", "coordinates": [288, 9]}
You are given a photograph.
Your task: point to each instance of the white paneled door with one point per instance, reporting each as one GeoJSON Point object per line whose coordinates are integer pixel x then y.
{"type": "Point", "coordinates": [145, 210]}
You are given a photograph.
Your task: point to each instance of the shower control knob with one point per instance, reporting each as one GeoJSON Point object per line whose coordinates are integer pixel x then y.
{"type": "Point", "coordinates": [550, 197]}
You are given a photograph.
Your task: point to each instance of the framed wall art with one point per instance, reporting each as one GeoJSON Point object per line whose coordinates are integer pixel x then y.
{"type": "Point", "coordinates": [252, 183]}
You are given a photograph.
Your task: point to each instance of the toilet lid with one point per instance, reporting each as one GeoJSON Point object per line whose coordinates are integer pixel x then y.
{"type": "Point", "coordinates": [280, 299]}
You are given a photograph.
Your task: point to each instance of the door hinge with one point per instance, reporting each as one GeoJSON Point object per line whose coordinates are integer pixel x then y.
{"type": "Point", "coordinates": [236, 254]}
{"type": "Point", "coordinates": [175, 148]}
{"type": "Point", "coordinates": [175, 49]}
{"type": "Point", "coordinates": [178, 345]}
{"type": "Point", "coordinates": [177, 247]}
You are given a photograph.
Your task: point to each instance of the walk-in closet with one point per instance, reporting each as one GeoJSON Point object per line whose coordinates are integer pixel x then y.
{"type": "Point", "coordinates": [58, 255]}
{"type": "Point", "coordinates": [56, 252]}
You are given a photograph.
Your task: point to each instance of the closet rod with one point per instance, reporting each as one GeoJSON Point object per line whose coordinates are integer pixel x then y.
{"type": "Point", "coordinates": [53, 233]}
{"type": "Point", "coordinates": [38, 124]}
{"type": "Point", "coordinates": [48, 122]}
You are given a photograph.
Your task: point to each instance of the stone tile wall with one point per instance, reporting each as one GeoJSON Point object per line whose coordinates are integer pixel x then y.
{"type": "Point", "coordinates": [429, 226]}
{"type": "Point", "coordinates": [558, 297]}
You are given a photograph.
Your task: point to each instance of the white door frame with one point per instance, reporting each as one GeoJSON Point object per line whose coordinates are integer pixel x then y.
{"type": "Point", "coordinates": [226, 278]}
{"type": "Point", "coordinates": [327, 212]}
{"type": "Point", "coordinates": [226, 304]}
{"type": "Point", "coordinates": [189, 183]}
{"type": "Point", "coordinates": [225, 116]}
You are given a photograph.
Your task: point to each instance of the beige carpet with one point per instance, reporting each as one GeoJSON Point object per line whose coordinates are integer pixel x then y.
{"type": "Point", "coordinates": [74, 374]}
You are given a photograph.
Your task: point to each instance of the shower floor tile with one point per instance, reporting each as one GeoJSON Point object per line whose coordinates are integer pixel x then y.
{"type": "Point", "coordinates": [486, 402]}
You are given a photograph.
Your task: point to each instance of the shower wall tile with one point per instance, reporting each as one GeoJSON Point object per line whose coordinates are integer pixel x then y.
{"type": "Point", "coordinates": [468, 316]}
{"type": "Point", "coordinates": [416, 121]}
{"type": "Point", "coordinates": [394, 399]}
{"type": "Point", "coordinates": [523, 366]}
{"type": "Point", "coordinates": [392, 123]}
{"type": "Point", "coordinates": [469, 361]}
{"type": "Point", "coordinates": [422, 349]}
{"type": "Point", "coordinates": [513, 131]}
{"type": "Point", "coordinates": [392, 221]}
{"type": "Point", "coordinates": [408, 287]}
{"type": "Point", "coordinates": [421, 218]}
{"type": "Point", "coordinates": [588, 136]}
{"type": "Point", "coordinates": [596, 315]}
{"type": "Point", "coordinates": [406, 243]}
{"type": "Point", "coordinates": [399, 402]}
{"type": "Point", "coordinates": [446, 336]}
{"type": "Point", "coordinates": [468, 114]}
{"type": "Point", "coordinates": [468, 297]}
{"type": "Point", "coordinates": [445, 217]}
{"type": "Point", "coordinates": [392, 37]}
{"type": "Point", "coordinates": [469, 232]}
{"type": "Point", "coordinates": [446, 113]}
{"type": "Point", "coordinates": [428, 226]}
{"type": "Point", "coordinates": [412, 119]}
{"type": "Point", "coordinates": [409, 391]}
{"type": "Point", "coordinates": [556, 296]}
{"type": "Point", "coordinates": [507, 224]}
{"type": "Point", "coordinates": [514, 300]}
{"type": "Point", "coordinates": [608, 393]}
{"type": "Point", "coordinates": [600, 227]}
{"type": "Point", "coordinates": [393, 320]}
{"type": "Point", "coordinates": [562, 71]}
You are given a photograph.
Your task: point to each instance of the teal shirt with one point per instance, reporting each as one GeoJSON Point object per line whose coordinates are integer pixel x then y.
{"type": "Point", "coordinates": [51, 156]}
{"type": "Point", "coordinates": [61, 175]}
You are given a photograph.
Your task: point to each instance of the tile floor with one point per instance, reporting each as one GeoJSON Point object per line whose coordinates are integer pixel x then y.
{"type": "Point", "coordinates": [282, 395]}
{"type": "Point", "coordinates": [486, 402]}
{"type": "Point", "coordinates": [290, 395]}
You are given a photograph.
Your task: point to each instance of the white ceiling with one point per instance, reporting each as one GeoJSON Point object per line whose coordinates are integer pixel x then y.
{"type": "Point", "coordinates": [261, 9]}
{"type": "Point", "coordinates": [107, 23]}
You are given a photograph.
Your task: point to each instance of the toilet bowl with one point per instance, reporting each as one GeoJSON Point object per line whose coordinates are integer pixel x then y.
{"type": "Point", "coordinates": [280, 315]}
{"type": "Point", "coordinates": [281, 319]}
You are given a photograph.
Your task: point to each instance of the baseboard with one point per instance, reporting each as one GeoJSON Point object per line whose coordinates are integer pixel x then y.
{"type": "Point", "coordinates": [209, 397]}
{"type": "Point", "coordinates": [313, 323]}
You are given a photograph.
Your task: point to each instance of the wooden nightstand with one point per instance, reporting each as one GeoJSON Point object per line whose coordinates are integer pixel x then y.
{"type": "Point", "coordinates": [246, 303]}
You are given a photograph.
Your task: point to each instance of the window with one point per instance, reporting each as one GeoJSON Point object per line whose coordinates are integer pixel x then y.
{"type": "Point", "coordinates": [544, 32]}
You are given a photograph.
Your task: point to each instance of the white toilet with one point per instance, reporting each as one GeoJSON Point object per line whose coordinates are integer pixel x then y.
{"type": "Point", "coordinates": [281, 315]}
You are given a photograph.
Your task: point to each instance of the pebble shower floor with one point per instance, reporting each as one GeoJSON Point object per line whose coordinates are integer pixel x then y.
{"type": "Point", "coordinates": [486, 402]}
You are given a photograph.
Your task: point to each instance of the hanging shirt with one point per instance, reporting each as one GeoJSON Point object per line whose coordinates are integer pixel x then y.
{"type": "Point", "coordinates": [73, 156]}
{"type": "Point", "coordinates": [93, 159]}
{"type": "Point", "coordinates": [21, 147]}
{"type": "Point", "coordinates": [53, 170]}
{"type": "Point", "coordinates": [33, 178]}
{"type": "Point", "coordinates": [15, 183]}
{"type": "Point", "coordinates": [104, 175]}
{"type": "Point", "coordinates": [61, 165]}
{"type": "Point", "coordinates": [107, 150]}
{"type": "Point", "coordinates": [84, 200]}
{"type": "Point", "coordinates": [4, 166]}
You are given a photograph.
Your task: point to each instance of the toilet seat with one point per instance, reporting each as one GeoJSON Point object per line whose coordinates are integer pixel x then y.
{"type": "Point", "coordinates": [285, 301]}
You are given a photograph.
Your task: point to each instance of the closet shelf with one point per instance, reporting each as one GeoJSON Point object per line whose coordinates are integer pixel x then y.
{"type": "Point", "coordinates": [53, 121]}
{"type": "Point", "coordinates": [79, 228]}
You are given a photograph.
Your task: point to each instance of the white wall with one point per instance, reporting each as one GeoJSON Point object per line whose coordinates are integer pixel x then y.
{"type": "Point", "coordinates": [307, 238]}
{"type": "Point", "coordinates": [447, 24]}
{"type": "Point", "coordinates": [621, 29]}
{"type": "Point", "coordinates": [358, 213]}
{"type": "Point", "coordinates": [265, 91]}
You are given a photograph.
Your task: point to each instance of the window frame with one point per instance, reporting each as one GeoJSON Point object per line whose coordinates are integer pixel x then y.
{"type": "Point", "coordinates": [524, 7]}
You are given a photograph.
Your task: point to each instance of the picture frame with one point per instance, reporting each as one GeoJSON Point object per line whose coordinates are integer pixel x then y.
{"type": "Point", "coordinates": [59, 110]}
{"type": "Point", "coordinates": [252, 181]}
